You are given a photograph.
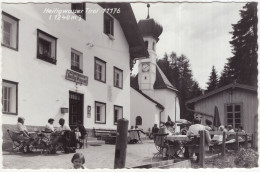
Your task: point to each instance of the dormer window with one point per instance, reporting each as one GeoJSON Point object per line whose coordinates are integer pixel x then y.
{"type": "Point", "coordinates": [79, 9]}
{"type": "Point", "coordinates": [108, 24]}
{"type": "Point", "coordinates": [154, 46]}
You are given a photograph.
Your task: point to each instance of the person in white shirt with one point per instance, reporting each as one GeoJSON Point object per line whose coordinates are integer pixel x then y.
{"type": "Point", "coordinates": [194, 130]}
{"type": "Point", "coordinates": [170, 130]}
{"type": "Point", "coordinates": [63, 127]}
{"type": "Point", "coordinates": [24, 134]}
{"type": "Point", "coordinates": [49, 127]}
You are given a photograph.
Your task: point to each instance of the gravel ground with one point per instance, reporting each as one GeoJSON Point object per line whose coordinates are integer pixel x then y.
{"type": "Point", "coordinates": [96, 157]}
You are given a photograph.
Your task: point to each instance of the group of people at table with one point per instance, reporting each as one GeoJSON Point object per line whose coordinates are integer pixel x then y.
{"type": "Point", "coordinates": [186, 132]}
{"type": "Point", "coordinates": [56, 135]}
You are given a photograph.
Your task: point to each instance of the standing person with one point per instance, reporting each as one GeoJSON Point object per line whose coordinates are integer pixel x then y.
{"type": "Point", "coordinates": [155, 130]}
{"type": "Point", "coordinates": [49, 126]}
{"type": "Point", "coordinates": [78, 161]}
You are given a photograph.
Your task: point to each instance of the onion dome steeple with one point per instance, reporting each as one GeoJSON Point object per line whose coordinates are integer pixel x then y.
{"type": "Point", "coordinates": [149, 27]}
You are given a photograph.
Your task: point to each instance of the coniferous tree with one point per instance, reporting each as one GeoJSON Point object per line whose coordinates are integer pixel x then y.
{"type": "Point", "coordinates": [213, 80]}
{"type": "Point", "coordinates": [225, 78]}
{"type": "Point", "coordinates": [243, 64]}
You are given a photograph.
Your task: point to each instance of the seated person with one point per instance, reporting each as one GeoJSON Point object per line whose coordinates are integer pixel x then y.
{"type": "Point", "coordinates": [240, 129]}
{"type": "Point", "coordinates": [24, 133]}
{"type": "Point", "coordinates": [82, 130]}
{"type": "Point", "coordinates": [49, 127]}
{"type": "Point", "coordinates": [170, 130]}
{"type": "Point", "coordinates": [170, 127]}
{"type": "Point", "coordinates": [231, 130]}
{"type": "Point", "coordinates": [218, 138]}
{"type": "Point", "coordinates": [60, 132]}
{"type": "Point", "coordinates": [194, 130]}
{"type": "Point", "coordinates": [208, 125]}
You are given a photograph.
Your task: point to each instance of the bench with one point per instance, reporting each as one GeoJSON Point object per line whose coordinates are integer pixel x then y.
{"type": "Point", "coordinates": [108, 135]}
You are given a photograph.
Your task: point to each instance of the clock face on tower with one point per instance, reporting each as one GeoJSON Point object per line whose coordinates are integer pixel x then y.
{"type": "Point", "coordinates": [145, 67]}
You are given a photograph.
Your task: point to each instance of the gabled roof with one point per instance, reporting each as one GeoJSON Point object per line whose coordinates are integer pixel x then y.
{"type": "Point", "coordinates": [130, 28]}
{"type": "Point", "coordinates": [230, 86]}
{"type": "Point", "coordinates": [149, 98]}
{"type": "Point", "coordinates": [161, 81]}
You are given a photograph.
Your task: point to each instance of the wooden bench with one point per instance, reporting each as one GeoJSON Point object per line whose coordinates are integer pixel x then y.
{"type": "Point", "coordinates": [108, 135]}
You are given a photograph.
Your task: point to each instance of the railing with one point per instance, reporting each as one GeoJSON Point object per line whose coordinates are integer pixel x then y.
{"type": "Point", "coordinates": [202, 135]}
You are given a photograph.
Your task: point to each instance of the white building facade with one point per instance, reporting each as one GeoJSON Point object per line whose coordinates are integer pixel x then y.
{"type": "Point", "coordinates": [76, 68]}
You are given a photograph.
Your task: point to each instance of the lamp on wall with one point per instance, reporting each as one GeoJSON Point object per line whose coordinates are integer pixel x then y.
{"type": "Point", "coordinates": [64, 110]}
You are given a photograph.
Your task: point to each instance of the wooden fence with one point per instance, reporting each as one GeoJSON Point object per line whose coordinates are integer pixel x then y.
{"type": "Point", "coordinates": [202, 134]}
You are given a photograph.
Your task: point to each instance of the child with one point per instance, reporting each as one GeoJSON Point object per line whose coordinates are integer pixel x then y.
{"type": "Point", "coordinates": [78, 160]}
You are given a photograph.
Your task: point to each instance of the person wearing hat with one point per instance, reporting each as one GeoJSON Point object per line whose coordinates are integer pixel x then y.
{"type": "Point", "coordinates": [208, 125]}
{"type": "Point", "coordinates": [49, 126]}
{"type": "Point", "coordinates": [170, 128]}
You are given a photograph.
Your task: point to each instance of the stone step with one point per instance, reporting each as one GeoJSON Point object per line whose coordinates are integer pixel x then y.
{"type": "Point", "coordinates": [92, 138]}
{"type": "Point", "coordinates": [95, 142]}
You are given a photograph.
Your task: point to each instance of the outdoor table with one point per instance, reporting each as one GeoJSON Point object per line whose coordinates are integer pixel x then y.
{"type": "Point", "coordinates": [178, 142]}
{"type": "Point", "coordinates": [177, 138]}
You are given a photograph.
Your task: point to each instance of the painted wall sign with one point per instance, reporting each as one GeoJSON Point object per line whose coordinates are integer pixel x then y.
{"type": "Point", "coordinates": [76, 77]}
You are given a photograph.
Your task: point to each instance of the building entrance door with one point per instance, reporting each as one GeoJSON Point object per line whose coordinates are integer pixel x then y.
{"type": "Point", "coordinates": [75, 108]}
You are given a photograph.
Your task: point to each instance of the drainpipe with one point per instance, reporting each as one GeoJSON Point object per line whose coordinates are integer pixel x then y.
{"type": "Point", "coordinates": [160, 118]}
{"type": "Point", "coordinates": [175, 106]}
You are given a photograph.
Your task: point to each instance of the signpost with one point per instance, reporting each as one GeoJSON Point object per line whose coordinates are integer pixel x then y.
{"type": "Point", "coordinates": [76, 77]}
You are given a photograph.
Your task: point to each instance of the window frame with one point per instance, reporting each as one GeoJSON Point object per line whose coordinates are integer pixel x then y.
{"type": "Point", "coordinates": [122, 74]}
{"type": "Point", "coordinates": [99, 122]}
{"type": "Point", "coordinates": [84, 10]}
{"type": "Point", "coordinates": [16, 101]}
{"type": "Point", "coordinates": [112, 21]}
{"type": "Point", "coordinates": [17, 31]}
{"type": "Point", "coordinates": [47, 59]}
{"type": "Point", "coordinates": [80, 54]}
{"type": "Point", "coordinates": [117, 106]}
{"type": "Point", "coordinates": [95, 68]}
{"type": "Point", "coordinates": [233, 113]}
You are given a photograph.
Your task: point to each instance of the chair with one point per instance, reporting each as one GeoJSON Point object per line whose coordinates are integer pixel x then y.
{"type": "Point", "coordinates": [17, 143]}
{"type": "Point", "coordinates": [160, 143]}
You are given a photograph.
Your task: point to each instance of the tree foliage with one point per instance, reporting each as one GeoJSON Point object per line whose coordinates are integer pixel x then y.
{"type": "Point", "coordinates": [178, 72]}
{"type": "Point", "coordinates": [242, 66]}
{"type": "Point", "coordinates": [213, 80]}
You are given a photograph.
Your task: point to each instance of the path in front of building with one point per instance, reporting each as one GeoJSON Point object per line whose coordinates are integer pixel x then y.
{"type": "Point", "coordinates": [96, 157]}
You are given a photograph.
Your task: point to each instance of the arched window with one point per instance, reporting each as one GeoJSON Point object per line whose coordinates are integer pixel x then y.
{"type": "Point", "coordinates": [146, 44]}
{"type": "Point", "coordinates": [138, 120]}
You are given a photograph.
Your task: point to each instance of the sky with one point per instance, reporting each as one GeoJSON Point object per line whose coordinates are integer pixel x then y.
{"type": "Point", "coordinates": [198, 30]}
